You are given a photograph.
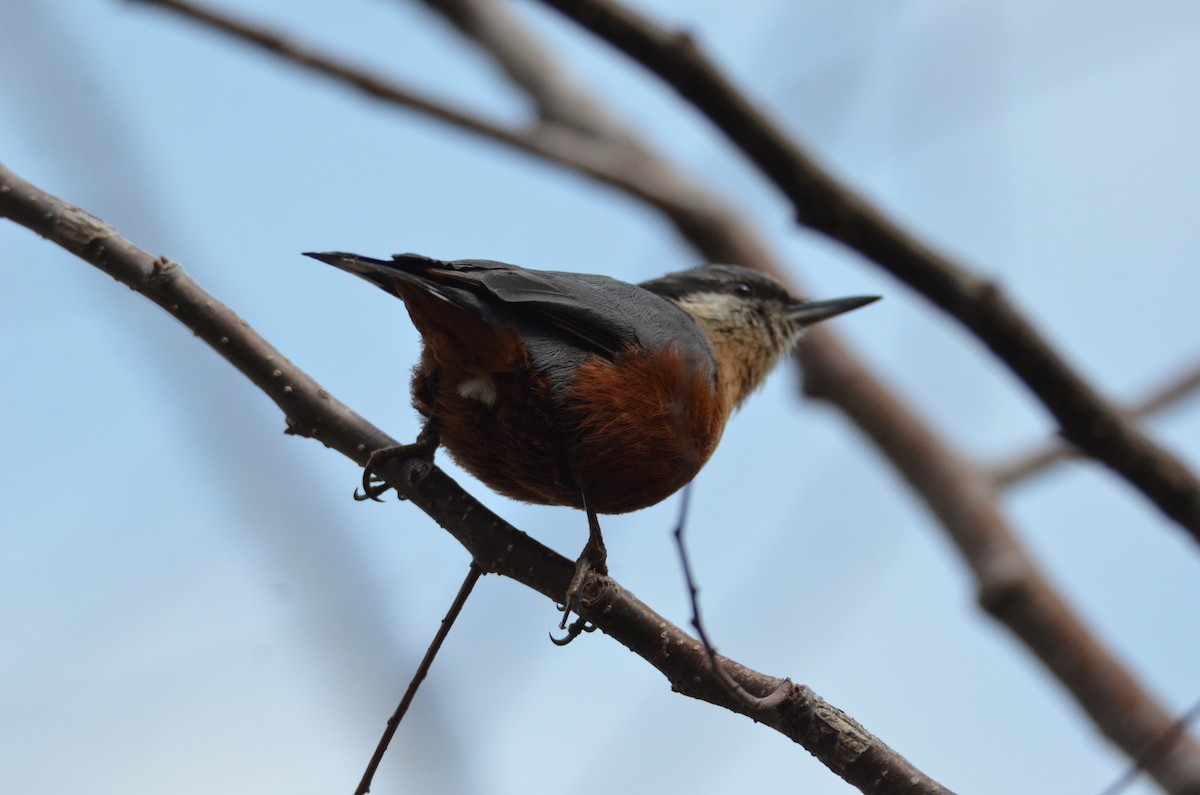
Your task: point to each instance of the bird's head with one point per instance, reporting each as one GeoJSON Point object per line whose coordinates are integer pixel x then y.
{"type": "Point", "coordinates": [750, 318]}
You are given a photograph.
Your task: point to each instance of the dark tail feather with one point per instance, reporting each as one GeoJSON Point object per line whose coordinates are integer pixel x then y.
{"type": "Point", "coordinates": [380, 272]}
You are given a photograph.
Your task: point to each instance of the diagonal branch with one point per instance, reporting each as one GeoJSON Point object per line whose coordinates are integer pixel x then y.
{"type": "Point", "coordinates": [822, 203]}
{"type": "Point", "coordinates": [370, 84]}
{"type": "Point", "coordinates": [966, 506]}
{"type": "Point", "coordinates": [1054, 451]}
{"type": "Point", "coordinates": [555, 95]}
{"type": "Point", "coordinates": [701, 218]}
{"type": "Point", "coordinates": [414, 684]}
{"type": "Point", "coordinates": [1010, 586]}
{"type": "Point", "coordinates": [830, 735]}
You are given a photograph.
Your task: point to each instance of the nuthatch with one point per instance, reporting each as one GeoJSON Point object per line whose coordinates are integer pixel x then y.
{"type": "Point", "coordinates": [572, 389]}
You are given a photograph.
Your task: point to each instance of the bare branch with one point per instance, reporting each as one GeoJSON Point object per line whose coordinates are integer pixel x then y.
{"type": "Point", "coordinates": [556, 96]}
{"type": "Point", "coordinates": [1010, 586]}
{"type": "Point", "coordinates": [1055, 451]}
{"type": "Point", "coordinates": [827, 733]}
{"type": "Point", "coordinates": [701, 218]}
{"type": "Point", "coordinates": [1153, 750]}
{"type": "Point", "coordinates": [827, 206]}
{"type": "Point", "coordinates": [370, 84]}
{"type": "Point", "coordinates": [460, 599]}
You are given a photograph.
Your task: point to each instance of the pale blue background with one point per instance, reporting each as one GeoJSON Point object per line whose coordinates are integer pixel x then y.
{"type": "Point", "coordinates": [190, 602]}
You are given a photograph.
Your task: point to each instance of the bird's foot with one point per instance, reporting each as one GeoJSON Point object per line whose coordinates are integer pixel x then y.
{"type": "Point", "coordinates": [593, 560]}
{"type": "Point", "coordinates": [373, 486]}
{"type": "Point", "coordinates": [577, 628]}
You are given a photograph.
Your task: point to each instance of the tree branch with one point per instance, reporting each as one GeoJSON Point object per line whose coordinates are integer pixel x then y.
{"type": "Point", "coordinates": [827, 206]}
{"type": "Point", "coordinates": [1009, 584]}
{"type": "Point", "coordinates": [1054, 451]}
{"type": "Point", "coordinates": [370, 84]}
{"type": "Point", "coordinates": [830, 735]}
{"type": "Point", "coordinates": [705, 221]}
{"type": "Point", "coordinates": [555, 94]}
{"type": "Point", "coordinates": [414, 684]}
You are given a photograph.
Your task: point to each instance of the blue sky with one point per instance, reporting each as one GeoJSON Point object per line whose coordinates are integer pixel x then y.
{"type": "Point", "coordinates": [191, 602]}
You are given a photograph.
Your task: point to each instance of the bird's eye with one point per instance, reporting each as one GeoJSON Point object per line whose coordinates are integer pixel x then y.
{"type": "Point", "coordinates": [742, 289]}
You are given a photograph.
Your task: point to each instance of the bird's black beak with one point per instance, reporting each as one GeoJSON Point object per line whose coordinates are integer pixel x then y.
{"type": "Point", "coordinates": [806, 313]}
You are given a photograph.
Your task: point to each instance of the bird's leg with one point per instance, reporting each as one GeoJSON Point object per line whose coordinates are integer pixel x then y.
{"type": "Point", "coordinates": [424, 447]}
{"type": "Point", "coordinates": [594, 558]}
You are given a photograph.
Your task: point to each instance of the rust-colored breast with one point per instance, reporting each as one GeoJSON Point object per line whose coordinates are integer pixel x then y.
{"type": "Point", "coordinates": [642, 426]}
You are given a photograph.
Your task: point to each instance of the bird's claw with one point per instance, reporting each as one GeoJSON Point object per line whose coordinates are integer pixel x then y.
{"type": "Point", "coordinates": [592, 561]}
{"type": "Point", "coordinates": [374, 486]}
{"type": "Point", "coordinates": [578, 627]}
{"type": "Point", "coordinates": [583, 567]}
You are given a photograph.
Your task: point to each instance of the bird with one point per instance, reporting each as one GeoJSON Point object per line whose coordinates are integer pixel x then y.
{"type": "Point", "coordinates": [574, 389]}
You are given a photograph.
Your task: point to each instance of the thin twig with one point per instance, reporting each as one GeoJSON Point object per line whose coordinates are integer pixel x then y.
{"type": "Point", "coordinates": [831, 208]}
{"type": "Point", "coordinates": [1054, 451]}
{"type": "Point", "coordinates": [494, 544]}
{"type": "Point", "coordinates": [460, 599]}
{"type": "Point", "coordinates": [769, 701]}
{"type": "Point", "coordinates": [1154, 750]}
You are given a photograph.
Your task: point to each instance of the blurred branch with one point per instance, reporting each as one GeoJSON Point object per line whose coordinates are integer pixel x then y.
{"type": "Point", "coordinates": [363, 80]}
{"type": "Point", "coordinates": [830, 735]}
{"type": "Point", "coordinates": [827, 206]}
{"type": "Point", "coordinates": [555, 95]}
{"type": "Point", "coordinates": [702, 219]}
{"type": "Point", "coordinates": [1153, 750]}
{"type": "Point", "coordinates": [1009, 585]}
{"type": "Point", "coordinates": [1054, 451]}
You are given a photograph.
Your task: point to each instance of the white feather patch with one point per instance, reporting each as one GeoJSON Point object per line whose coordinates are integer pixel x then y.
{"type": "Point", "coordinates": [479, 388]}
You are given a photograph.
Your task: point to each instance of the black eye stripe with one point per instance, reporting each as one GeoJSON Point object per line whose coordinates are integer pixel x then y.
{"type": "Point", "coordinates": [728, 280]}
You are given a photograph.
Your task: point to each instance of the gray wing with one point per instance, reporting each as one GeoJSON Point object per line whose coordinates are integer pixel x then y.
{"type": "Point", "coordinates": [593, 313]}
{"type": "Point", "coordinates": [585, 310]}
